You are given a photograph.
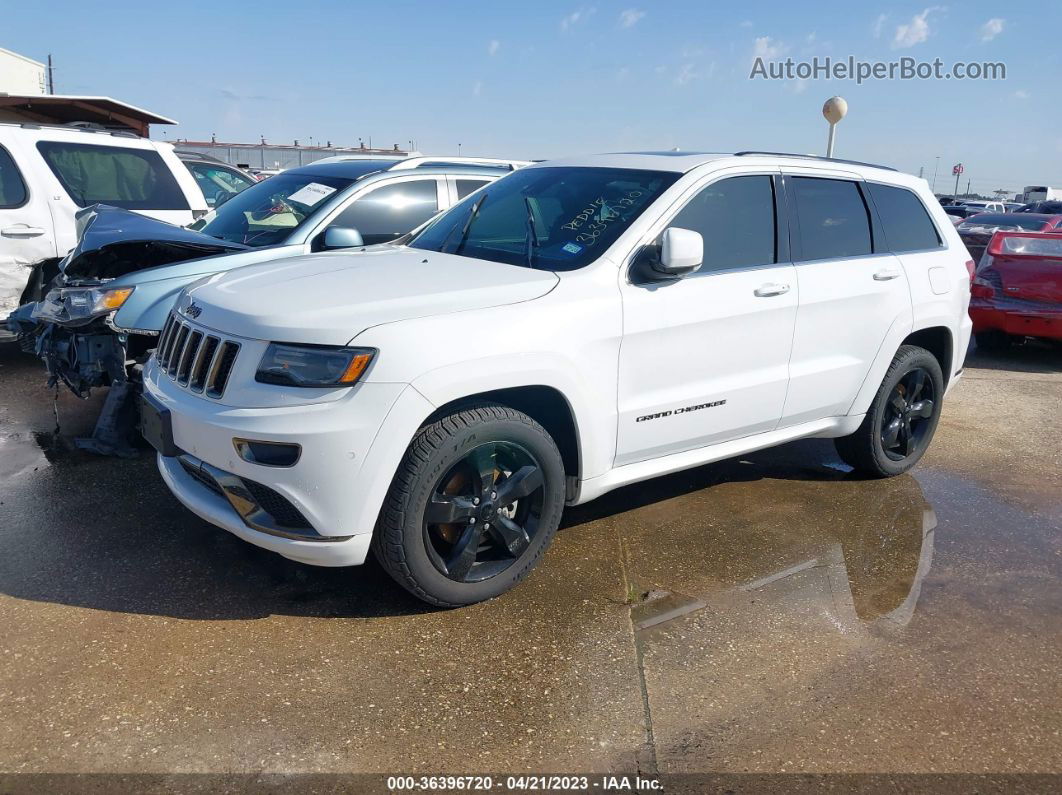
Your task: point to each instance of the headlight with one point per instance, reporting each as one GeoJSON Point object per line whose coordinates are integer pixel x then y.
{"type": "Point", "coordinates": [81, 304]}
{"type": "Point", "coordinates": [312, 365]}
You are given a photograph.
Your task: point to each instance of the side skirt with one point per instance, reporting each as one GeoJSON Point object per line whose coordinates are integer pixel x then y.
{"type": "Point", "coordinates": [829, 428]}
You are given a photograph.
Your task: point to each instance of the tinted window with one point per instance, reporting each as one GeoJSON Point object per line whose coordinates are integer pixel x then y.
{"type": "Point", "coordinates": [268, 212]}
{"type": "Point", "coordinates": [12, 188]}
{"type": "Point", "coordinates": [906, 223]}
{"type": "Point", "coordinates": [554, 218]}
{"type": "Point", "coordinates": [391, 211]}
{"type": "Point", "coordinates": [736, 219]}
{"type": "Point", "coordinates": [135, 179]}
{"type": "Point", "coordinates": [467, 186]}
{"type": "Point", "coordinates": [833, 217]}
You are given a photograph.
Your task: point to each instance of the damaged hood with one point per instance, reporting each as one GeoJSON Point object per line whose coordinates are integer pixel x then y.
{"type": "Point", "coordinates": [113, 242]}
{"type": "Point", "coordinates": [330, 298]}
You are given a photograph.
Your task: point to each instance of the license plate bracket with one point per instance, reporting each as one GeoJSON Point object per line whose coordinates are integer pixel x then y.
{"type": "Point", "coordinates": [157, 427]}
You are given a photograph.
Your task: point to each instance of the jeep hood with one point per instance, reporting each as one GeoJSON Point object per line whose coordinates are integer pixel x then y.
{"type": "Point", "coordinates": [113, 242]}
{"type": "Point", "coordinates": [329, 299]}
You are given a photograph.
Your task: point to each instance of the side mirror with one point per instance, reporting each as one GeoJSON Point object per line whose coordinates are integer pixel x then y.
{"type": "Point", "coordinates": [681, 253]}
{"type": "Point", "coordinates": [342, 237]}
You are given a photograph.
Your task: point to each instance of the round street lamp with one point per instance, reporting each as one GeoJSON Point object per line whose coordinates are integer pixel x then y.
{"type": "Point", "coordinates": [833, 110]}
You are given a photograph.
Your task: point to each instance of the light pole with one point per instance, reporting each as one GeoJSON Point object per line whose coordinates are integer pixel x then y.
{"type": "Point", "coordinates": [935, 165]}
{"type": "Point", "coordinates": [833, 110]}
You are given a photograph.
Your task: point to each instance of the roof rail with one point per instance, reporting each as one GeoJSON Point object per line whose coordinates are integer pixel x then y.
{"type": "Point", "coordinates": [425, 160]}
{"type": "Point", "coordinates": [815, 157]}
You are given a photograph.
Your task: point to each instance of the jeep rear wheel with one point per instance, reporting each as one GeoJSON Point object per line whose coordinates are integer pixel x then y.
{"type": "Point", "coordinates": [901, 421]}
{"type": "Point", "coordinates": [473, 506]}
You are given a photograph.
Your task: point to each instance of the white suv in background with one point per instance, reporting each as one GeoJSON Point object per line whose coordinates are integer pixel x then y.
{"type": "Point", "coordinates": [576, 326]}
{"type": "Point", "coordinates": [48, 173]}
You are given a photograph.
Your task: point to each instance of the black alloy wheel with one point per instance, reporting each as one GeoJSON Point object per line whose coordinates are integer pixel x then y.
{"type": "Point", "coordinates": [905, 422]}
{"type": "Point", "coordinates": [484, 512]}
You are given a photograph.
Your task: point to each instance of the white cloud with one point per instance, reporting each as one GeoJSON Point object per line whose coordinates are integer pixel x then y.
{"type": "Point", "coordinates": [767, 48]}
{"type": "Point", "coordinates": [992, 28]}
{"type": "Point", "coordinates": [477, 88]}
{"type": "Point", "coordinates": [687, 73]}
{"type": "Point", "coordinates": [879, 24]}
{"type": "Point", "coordinates": [1021, 93]}
{"type": "Point", "coordinates": [493, 47]}
{"type": "Point", "coordinates": [800, 86]}
{"type": "Point", "coordinates": [914, 32]}
{"type": "Point", "coordinates": [630, 17]}
{"type": "Point", "coordinates": [576, 17]}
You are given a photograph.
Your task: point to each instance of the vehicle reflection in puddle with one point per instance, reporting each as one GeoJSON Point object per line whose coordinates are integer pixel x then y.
{"type": "Point", "coordinates": [850, 553]}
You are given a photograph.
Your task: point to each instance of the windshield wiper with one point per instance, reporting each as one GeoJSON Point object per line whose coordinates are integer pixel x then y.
{"type": "Point", "coordinates": [468, 225]}
{"type": "Point", "coordinates": [531, 237]}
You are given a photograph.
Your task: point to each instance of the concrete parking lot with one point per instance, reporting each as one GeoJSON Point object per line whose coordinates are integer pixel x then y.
{"type": "Point", "coordinates": [768, 614]}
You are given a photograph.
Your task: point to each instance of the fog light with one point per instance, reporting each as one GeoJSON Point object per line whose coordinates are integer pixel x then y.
{"type": "Point", "coordinates": [268, 454]}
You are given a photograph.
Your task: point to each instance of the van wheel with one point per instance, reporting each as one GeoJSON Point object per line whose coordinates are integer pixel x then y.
{"type": "Point", "coordinates": [473, 506]}
{"type": "Point", "coordinates": [902, 419]}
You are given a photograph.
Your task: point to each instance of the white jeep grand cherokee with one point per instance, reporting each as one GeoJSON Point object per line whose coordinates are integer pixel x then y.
{"type": "Point", "coordinates": [576, 326]}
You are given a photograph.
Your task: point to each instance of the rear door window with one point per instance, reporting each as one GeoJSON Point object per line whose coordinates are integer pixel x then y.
{"type": "Point", "coordinates": [834, 220]}
{"type": "Point", "coordinates": [467, 186]}
{"type": "Point", "coordinates": [13, 191]}
{"type": "Point", "coordinates": [390, 211]}
{"type": "Point", "coordinates": [906, 222]}
{"type": "Point", "coordinates": [134, 179]}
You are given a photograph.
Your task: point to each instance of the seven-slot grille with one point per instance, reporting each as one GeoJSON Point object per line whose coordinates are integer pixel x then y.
{"type": "Point", "coordinates": [194, 359]}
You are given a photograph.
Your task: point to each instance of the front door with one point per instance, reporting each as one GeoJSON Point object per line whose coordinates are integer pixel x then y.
{"type": "Point", "coordinates": [705, 358]}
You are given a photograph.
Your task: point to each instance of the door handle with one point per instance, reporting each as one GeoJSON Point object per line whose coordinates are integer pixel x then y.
{"type": "Point", "coordinates": [885, 274]}
{"type": "Point", "coordinates": [21, 231]}
{"type": "Point", "coordinates": [769, 289]}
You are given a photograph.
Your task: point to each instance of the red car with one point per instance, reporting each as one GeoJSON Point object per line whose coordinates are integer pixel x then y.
{"type": "Point", "coordinates": [977, 230]}
{"type": "Point", "coordinates": [1017, 289]}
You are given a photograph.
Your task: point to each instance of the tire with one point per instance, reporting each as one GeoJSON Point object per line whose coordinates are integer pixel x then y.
{"type": "Point", "coordinates": [992, 341]}
{"type": "Point", "coordinates": [450, 471]}
{"type": "Point", "coordinates": [873, 450]}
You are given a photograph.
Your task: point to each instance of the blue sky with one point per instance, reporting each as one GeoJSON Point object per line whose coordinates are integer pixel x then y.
{"type": "Point", "coordinates": [552, 78]}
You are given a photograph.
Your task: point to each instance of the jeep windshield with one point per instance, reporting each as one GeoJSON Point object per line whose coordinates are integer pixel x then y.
{"type": "Point", "coordinates": [267, 213]}
{"type": "Point", "coordinates": [548, 218]}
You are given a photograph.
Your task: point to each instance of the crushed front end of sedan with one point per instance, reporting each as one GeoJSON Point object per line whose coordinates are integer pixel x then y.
{"type": "Point", "coordinates": [73, 328]}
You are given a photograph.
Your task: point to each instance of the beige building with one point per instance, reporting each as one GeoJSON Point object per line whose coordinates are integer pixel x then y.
{"type": "Point", "coordinates": [22, 75]}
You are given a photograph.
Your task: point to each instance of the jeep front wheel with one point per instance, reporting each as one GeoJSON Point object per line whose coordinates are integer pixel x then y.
{"type": "Point", "coordinates": [473, 506]}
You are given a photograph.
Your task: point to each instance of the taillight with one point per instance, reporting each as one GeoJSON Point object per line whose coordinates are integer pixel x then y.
{"type": "Point", "coordinates": [971, 267]}
{"type": "Point", "coordinates": [982, 289]}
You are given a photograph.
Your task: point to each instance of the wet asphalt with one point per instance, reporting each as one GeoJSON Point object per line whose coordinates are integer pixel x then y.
{"type": "Point", "coordinates": [767, 614]}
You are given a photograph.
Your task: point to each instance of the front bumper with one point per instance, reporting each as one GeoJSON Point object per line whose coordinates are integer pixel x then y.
{"type": "Point", "coordinates": [1018, 318]}
{"type": "Point", "coordinates": [334, 485]}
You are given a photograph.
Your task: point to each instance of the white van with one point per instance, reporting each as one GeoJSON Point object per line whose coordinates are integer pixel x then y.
{"type": "Point", "coordinates": [47, 173]}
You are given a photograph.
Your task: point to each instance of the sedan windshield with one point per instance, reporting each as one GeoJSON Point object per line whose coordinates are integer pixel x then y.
{"type": "Point", "coordinates": [551, 218]}
{"type": "Point", "coordinates": [266, 213]}
{"type": "Point", "coordinates": [1008, 221]}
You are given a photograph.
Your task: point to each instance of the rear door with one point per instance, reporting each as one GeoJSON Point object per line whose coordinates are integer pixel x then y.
{"type": "Point", "coordinates": [26, 234]}
{"type": "Point", "coordinates": [853, 291]}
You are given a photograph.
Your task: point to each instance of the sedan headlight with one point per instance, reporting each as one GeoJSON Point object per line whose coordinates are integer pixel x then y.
{"type": "Point", "coordinates": [313, 365]}
{"type": "Point", "coordinates": [78, 305]}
